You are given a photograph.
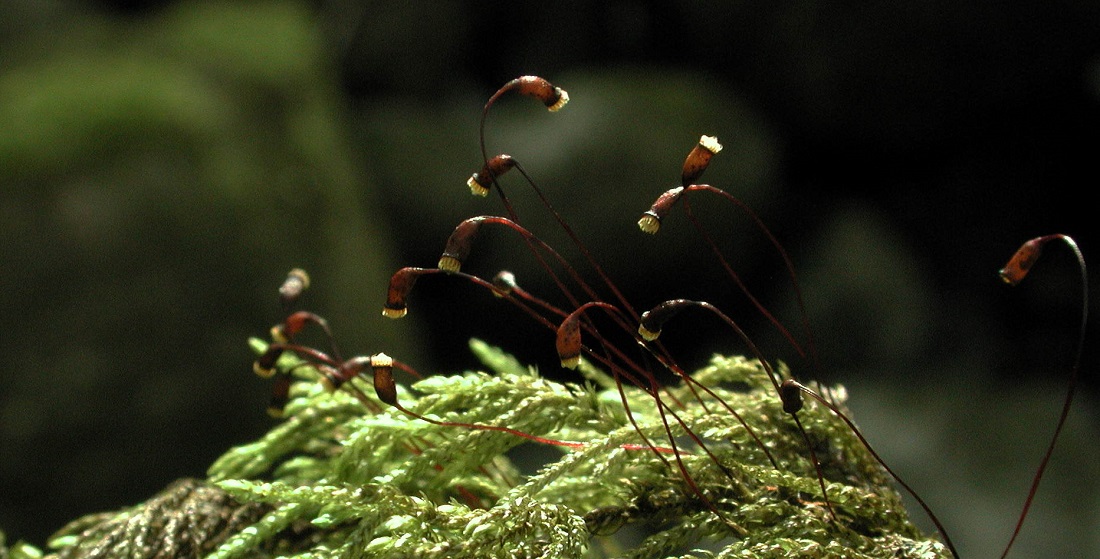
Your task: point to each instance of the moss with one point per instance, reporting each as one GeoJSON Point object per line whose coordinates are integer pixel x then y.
{"type": "Point", "coordinates": [346, 476]}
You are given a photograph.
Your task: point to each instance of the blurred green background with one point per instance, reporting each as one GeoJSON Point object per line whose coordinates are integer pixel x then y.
{"type": "Point", "coordinates": [163, 164]}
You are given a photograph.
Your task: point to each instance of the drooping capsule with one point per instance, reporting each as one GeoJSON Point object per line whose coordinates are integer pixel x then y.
{"type": "Point", "coordinates": [459, 244]}
{"type": "Point", "coordinates": [384, 385]}
{"type": "Point", "coordinates": [650, 222]}
{"type": "Point", "coordinates": [1021, 262]}
{"type": "Point", "coordinates": [533, 86]}
{"type": "Point", "coordinates": [482, 181]}
{"type": "Point", "coordinates": [653, 320]}
{"type": "Point", "coordinates": [401, 283]}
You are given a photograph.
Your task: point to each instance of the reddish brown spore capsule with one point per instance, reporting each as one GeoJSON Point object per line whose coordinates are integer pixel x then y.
{"type": "Point", "coordinates": [650, 221]}
{"type": "Point", "coordinates": [790, 392]}
{"type": "Point", "coordinates": [699, 158]}
{"type": "Point", "coordinates": [653, 320]}
{"type": "Point", "coordinates": [459, 244]}
{"type": "Point", "coordinates": [1021, 262]}
{"type": "Point", "coordinates": [296, 322]}
{"type": "Point", "coordinates": [568, 341]}
{"type": "Point", "coordinates": [533, 86]}
{"type": "Point", "coordinates": [384, 385]}
{"type": "Point", "coordinates": [401, 283]}
{"type": "Point", "coordinates": [482, 181]}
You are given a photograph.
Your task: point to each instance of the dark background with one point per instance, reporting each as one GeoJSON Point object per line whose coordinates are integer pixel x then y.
{"type": "Point", "coordinates": [163, 164]}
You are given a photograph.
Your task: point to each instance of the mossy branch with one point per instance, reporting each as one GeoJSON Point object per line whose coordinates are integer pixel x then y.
{"type": "Point", "coordinates": [338, 480]}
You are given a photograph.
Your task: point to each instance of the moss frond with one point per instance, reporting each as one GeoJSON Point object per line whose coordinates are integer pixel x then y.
{"type": "Point", "coordinates": [346, 476]}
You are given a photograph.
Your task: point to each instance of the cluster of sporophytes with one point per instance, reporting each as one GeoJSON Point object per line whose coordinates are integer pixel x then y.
{"type": "Point", "coordinates": [728, 461]}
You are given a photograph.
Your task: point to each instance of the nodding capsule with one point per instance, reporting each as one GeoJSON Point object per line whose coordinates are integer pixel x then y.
{"type": "Point", "coordinates": [459, 244]}
{"type": "Point", "coordinates": [482, 181]}
{"type": "Point", "coordinates": [650, 221]}
{"type": "Point", "coordinates": [264, 366]}
{"type": "Point", "coordinates": [293, 324]}
{"type": "Point", "coordinates": [384, 386]}
{"type": "Point", "coordinates": [1021, 262]}
{"type": "Point", "coordinates": [653, 320]}
{"type": "Point", "coordinates": [790, 392]}
{"type": "Point", "coordinates": [401, 283]}
{"type": "Point", "coordinates": [297, 281]}
{"type": "Point", "coordinates": [698, 159]}
{"type": "Point", "coordinates": [533, 86]}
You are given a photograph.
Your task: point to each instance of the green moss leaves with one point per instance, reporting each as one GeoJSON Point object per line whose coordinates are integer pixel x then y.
{"type": "Point", "coordinates": [346, 477]}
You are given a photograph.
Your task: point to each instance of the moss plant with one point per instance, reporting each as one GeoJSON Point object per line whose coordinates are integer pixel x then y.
{"type": "Point", "coordinates": [335, 479]}
{"type": "Point", "coordinates": [727, 462]}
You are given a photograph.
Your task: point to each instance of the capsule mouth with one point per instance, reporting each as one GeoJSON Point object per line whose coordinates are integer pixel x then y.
{"type": "Point", "coordinates": [390, 312]}
{"type": "Point", "coordinates": [563, 98]}
{"type": "Point", "coordinates": [647, 334]}
{"type": "Point", "coordinates": [710, 143]}
{"type": "Point", "coordinates": [381, 360]}
{"type": "Point", "coordinates": [476, 188]}
{"type": "Point", "coordinates": [571, 362]}
{"type": "Point", "coordinates": [449, 264]}
{"type": "Point", "coordinates": [261, 371]}
{"type": "Point", "coordinates": [649, 223]}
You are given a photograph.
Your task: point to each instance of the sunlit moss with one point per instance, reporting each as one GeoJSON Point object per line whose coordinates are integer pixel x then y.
{"type": "Point", "coordinates": [338, 480]}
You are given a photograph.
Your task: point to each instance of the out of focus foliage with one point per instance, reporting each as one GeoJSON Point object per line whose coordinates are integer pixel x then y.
{"type": "Point", "coordinates": [159, 177]}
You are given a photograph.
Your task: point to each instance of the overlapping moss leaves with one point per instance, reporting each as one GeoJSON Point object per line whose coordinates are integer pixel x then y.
{"type": "Point", "coordinates": [346, 476]}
